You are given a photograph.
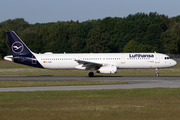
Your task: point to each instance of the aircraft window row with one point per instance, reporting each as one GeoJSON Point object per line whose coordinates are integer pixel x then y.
{"type": "Point", "coordinates": [101, 58]}
{"type": "Point", "coordinates": [83, 59]}
{"type": "Point", "coordinates": [58, 59]}
{"type": "Point", "coordinates": [167, 58]}
{"type": "Point", "coordinates": [91, 58]}
{"type": "Point", "coordinates": [112, 58]}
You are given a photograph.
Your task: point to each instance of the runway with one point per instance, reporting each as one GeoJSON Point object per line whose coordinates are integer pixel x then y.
{"type": "Point", "coordinates": [134, 82]}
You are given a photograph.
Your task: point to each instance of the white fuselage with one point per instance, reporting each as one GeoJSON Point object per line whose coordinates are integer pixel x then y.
{"type": "Point", "coordinates": [120, 60]}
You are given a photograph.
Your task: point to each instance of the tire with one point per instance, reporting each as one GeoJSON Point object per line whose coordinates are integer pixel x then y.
{"type": "Point", "coordinates": [157, 75]}
{"type": "Point", "coordinates": [91, 74]}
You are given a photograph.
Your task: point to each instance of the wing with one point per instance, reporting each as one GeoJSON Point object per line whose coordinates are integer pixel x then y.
{"type": "Point", "coordinates": [87, 65]}
{"type": "Point", "coordinates": [99, 67]}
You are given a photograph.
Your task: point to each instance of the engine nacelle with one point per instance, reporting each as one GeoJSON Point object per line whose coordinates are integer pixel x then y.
{"type": "Point", "coordinates": [107, 69]}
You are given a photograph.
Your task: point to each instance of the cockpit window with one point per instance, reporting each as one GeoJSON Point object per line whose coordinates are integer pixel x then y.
{"type": "Point", "coordinates": [167, 58]}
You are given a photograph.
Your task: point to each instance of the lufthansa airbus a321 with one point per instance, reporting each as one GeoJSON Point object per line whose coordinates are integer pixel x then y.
{"type": "Point", "coordinates": [107, 63]}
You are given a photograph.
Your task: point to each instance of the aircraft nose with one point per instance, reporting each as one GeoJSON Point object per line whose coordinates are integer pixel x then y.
{"type": "Point", "coordinates": [173, 62]}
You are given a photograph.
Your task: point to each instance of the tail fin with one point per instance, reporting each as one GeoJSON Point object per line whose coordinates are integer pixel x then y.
{"type": "Point", "coordinates": [17, 46]}
{"type": "Point", "coordinates": [20, 52]}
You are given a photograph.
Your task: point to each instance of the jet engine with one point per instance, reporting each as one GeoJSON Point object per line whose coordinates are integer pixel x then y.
{"type": "Point", "coordinates": [107, 69]}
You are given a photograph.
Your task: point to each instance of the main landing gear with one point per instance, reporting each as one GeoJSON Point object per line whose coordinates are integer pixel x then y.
{"type": "Point", "coordinates": [156, 70]}
{"type": "Point", "coordinates": [91, 74]}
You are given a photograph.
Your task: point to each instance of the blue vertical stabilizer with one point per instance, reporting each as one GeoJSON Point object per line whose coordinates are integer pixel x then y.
{"type": "Point", "coordinates": [21, 53]}
{"type": "Point", "coordinates": [17, 45]}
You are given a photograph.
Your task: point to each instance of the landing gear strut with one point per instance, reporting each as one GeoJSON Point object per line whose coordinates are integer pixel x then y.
{"type": "Point", "coordinates": [91, 74]}
{"type": "Point", "coordinates": [156, 72]}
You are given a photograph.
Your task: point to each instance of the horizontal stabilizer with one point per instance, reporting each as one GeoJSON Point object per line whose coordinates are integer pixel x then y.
{"type": "Point", "coordinates": [9, 58]}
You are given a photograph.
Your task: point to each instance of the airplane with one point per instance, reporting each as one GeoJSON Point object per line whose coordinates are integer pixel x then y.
{"type": "Point", "coordinates": [106, 63]}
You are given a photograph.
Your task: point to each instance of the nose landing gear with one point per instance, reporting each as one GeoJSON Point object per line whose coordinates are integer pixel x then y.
{"type": "Point", "coordinates": [157, 74]}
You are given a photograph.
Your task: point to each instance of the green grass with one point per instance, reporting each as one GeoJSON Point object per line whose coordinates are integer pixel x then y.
{"type": "Point", "coordinates": [10, 68]}
{"type": "Point", "coordinates": [54, 83]}
{"type": "Point", "coordinates": [132, 104]}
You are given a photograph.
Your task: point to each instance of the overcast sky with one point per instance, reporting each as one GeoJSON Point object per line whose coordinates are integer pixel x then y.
{"type": "Point", "coordinates": [44, 11]}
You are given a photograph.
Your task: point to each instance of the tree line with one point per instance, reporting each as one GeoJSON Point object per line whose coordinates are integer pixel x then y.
{"type": "Point", "coordinates": [135, 33]}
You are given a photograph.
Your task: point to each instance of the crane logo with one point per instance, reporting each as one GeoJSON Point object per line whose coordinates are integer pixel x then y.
{"type": "Point", "coordinates": [17, 47]}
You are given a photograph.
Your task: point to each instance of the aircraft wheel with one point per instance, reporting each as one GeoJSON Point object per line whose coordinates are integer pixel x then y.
{"type": "Point", "coordinates": [91, 74]}
{"type": "Point", "coordinates": [157, 75]}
